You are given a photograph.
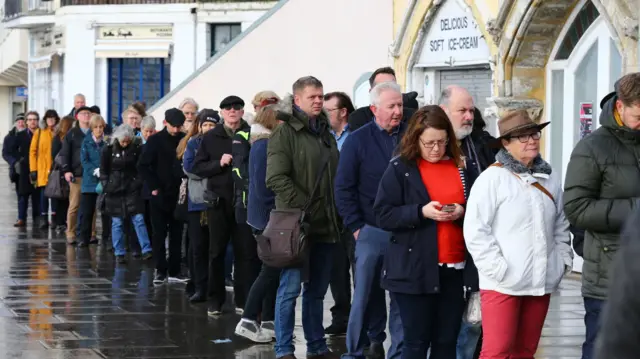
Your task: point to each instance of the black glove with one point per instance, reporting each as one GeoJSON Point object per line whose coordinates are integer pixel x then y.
{"type": "Point", "coordinates": [33, 176]}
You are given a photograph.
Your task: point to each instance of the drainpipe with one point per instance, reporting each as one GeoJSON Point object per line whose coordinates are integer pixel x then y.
{"type": "Point", "coordinates": [194, 13]}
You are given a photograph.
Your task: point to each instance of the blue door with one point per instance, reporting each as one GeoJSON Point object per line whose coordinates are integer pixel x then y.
{"type": "Point", "coordinates": [132, 80]}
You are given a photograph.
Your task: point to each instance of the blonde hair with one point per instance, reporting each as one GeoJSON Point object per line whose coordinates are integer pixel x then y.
{"type": "Point", "coordinates": [96, 120]}
{"type": "Point", "coordinates": [267, 117]}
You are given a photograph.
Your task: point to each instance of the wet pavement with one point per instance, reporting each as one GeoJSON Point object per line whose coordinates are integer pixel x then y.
{"type": "Point", "coordinates": [61, 302]}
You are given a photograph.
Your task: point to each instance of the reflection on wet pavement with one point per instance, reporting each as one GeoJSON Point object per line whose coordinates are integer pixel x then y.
{"type": "Point", "coordinates": [61, 302]}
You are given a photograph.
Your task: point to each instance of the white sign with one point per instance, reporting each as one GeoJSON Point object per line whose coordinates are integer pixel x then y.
{"type": "Point", "coordinates": [453, 39]}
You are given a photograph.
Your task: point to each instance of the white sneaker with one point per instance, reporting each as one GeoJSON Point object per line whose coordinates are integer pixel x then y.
{"type": "Point", "coordinates": [239, 311]}
{"type": "Point", "coordinates": [268, 328]}
{"type": "Point", "coordinates": [249, 329]}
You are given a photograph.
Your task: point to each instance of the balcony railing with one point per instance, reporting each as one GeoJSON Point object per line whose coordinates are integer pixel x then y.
{"type": "Point", "coordinates": [17, 8]}
{"type": "Point", "coordinates": [138, 2]}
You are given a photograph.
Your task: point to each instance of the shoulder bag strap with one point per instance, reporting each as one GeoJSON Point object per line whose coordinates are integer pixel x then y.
{"type": "Point", "coordinates": [323, 167]}
{"type": "Point", "coordinates": [536, 184]}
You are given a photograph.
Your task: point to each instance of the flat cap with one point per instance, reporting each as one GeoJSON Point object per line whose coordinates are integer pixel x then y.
{"type": "Point", "coordinates": [230, 101]}
{"type": "Point", "coordinates": [174, 117]}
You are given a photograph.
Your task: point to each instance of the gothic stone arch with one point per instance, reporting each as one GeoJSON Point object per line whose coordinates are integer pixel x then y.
{"type": "Point", "coordinates": [526, 32]}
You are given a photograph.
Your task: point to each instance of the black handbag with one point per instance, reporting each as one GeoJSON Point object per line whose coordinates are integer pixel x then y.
{"type": "Point", "coordinates": [57, 187]}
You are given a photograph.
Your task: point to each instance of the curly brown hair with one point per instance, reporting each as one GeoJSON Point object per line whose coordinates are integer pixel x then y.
{"type": "Point", "coordinates": [431, 116]}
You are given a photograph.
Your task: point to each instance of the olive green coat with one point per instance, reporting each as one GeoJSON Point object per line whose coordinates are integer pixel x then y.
{"type": "Point", "coordinates": [293, 160]}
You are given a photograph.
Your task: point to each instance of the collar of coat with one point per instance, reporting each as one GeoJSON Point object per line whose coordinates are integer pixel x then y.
{"type": "Point", "coordinates": [220, 130]}
{"type": "Point", "coordinates": [258, 132]}
{"type": "Point", "coordinates": [540, 167]}
{"type": "Point", "coordinates": [298, 119]}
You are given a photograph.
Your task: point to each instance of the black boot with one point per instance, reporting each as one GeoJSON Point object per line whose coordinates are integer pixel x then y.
{"type": "Point", "coordinates": [190, 289]}
{"type": "Point", "coordinates": [198, 297]}
{"type": "Point", "coordinates": [44, 222]}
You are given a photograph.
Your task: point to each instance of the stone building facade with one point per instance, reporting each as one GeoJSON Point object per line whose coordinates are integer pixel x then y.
{"type": "Point", "coordinates": [554, 58]}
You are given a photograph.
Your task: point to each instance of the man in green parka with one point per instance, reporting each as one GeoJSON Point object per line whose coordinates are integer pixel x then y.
{"type": "Point", "coordinates": [295, 154]}
{"type": "Point", "coordinates": [602, 188]}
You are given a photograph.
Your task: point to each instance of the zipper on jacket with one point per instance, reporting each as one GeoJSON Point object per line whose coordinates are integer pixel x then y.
{"type": "Point", "coordinates": [332, 204]}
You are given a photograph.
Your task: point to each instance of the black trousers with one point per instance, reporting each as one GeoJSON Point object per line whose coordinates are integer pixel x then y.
{"type": "Point", "coordinates": [163, 223]}
{"type": "Point", "coordinates": [199, 248]}
{"type": "Point", "coordinates": [433, 320]}
{"type": "Point", "coordinates": [85, 213]}
{"type": "Point", "coordinates": [222, 228]}
{"type": "Point", "coordinates": [62, 206]}
{"type": "Point", "coordinates": [262, 296]}
{"type": "Point", "coordinates": [341, 281]}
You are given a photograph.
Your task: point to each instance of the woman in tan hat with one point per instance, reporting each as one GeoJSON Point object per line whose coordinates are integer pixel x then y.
{"type": "Point", "coordinates": [518, 237]}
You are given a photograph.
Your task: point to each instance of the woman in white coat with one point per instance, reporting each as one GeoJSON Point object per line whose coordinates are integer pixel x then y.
{"type": "Point", "coordinates": [518, 237]}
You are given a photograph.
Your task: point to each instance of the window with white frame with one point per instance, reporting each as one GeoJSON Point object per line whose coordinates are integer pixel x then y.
{"type": "Point", "coordinates": [585, 64]}
{"type": "Point", "coordinates": [222, 35]}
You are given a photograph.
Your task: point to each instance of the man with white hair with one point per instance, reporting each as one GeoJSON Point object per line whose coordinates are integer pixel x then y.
{"type": "Point", "coordinates": [79, 101]}
{"type": "Point", "coordinates": [457, 102]}
{"type": "Point", "coordinates": [364, 157]}
{"type": "Point", "coordinates": [189, 108]}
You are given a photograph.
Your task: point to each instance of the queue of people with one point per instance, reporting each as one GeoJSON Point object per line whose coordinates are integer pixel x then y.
{"type": "Point", "coordinates": [421, 203]}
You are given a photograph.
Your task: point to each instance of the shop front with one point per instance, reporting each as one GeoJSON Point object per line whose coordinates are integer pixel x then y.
{"type": "Point", "coordinates": [452, 52]}
{"type": "Point", "coordinates": [138, 64]}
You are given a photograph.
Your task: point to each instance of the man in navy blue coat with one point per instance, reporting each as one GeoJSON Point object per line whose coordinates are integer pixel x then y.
{"type": "Point", "coordinates": [363, 159]}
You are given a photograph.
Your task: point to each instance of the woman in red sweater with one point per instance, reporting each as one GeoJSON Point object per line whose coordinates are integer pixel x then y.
{"type": "Point", "coordinates": [421, 200]}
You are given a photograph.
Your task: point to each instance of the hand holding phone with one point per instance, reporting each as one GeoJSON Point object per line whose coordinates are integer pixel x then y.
{"type": "Point", "coordinates": [448, 208]}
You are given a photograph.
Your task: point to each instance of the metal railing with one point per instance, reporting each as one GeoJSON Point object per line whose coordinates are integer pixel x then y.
{"type": "Point", "coordinates": [17, 8]}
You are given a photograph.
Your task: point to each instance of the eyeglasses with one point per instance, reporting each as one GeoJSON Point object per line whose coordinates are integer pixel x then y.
{"type": "Point", "coordinates": [32, 119]}
{"type": "Point", "coordinates": [525, 138]}
{"type": "Point", "coordinates": [333, 109]}
{"type": "Point", "coordinates": [236, 107]}
{"type": "Point", "coordinates": [432, 144]}
{"type": "Point", "coordinates": [188, 113]}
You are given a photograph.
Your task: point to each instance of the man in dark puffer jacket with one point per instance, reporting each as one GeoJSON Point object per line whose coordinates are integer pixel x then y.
{"type": "Point", "coordinates": [601, 189]}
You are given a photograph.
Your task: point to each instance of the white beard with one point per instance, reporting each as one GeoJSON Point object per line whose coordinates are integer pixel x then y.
{"type": "Point", "coordinates": [463, 132]}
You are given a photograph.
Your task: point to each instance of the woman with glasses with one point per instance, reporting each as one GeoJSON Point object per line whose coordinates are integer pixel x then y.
{"type": "Point", "coordinates": [421, 200]}
{"type": "Point", "coordinates": [518, 236]}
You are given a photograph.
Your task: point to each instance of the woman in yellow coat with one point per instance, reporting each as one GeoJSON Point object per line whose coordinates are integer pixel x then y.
{"type": "Point", "coordinates": [40, 161]}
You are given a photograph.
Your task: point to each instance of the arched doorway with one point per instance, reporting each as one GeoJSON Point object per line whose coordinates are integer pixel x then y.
{"type": "Point", "coordinates": [583, 67]}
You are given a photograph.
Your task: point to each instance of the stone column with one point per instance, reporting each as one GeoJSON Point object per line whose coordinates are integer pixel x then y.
{"type": "Point", "coordinates": [498, 106]}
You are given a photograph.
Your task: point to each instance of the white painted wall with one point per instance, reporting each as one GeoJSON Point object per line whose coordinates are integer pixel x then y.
{"type": "Point", "coordinates": [346, 38]}
{"type": "Point", "coordinates": [6, 110]}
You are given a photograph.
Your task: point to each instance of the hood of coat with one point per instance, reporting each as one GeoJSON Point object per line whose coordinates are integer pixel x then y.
{"type": "Point", "coordinates": [540, 166]}
{"type": "Point", "coordinates": [610, 118]}
{"type": "Point", "coordinates": [297, 119]}
{"type": "Point", "coordinates": [258, 132]}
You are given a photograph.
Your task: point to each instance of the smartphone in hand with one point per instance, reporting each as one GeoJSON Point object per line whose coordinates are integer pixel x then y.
{"type": "Point", "coordinates": [448, 208]}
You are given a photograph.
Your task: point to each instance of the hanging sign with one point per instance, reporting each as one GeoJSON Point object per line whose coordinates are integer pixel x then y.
{"type": "Point", "coordinates": [454, 39]}
{"type": "Point", "coordinates": [586, 119]}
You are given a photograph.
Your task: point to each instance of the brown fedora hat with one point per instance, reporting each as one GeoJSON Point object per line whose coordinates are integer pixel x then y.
{"type": "Point", "coordinates": [515, 122]}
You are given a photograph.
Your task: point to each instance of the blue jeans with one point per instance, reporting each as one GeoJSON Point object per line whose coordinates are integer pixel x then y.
{"type": "Point", "coordinates": [141, 230]}
{"type": "Point", "coordinates": [593, 308]}
{"type": "Point", "coordinates": [368, 316]}
{"type": "Point", "coordinates": [313, 292]}
{"type": "Point", "coordinates": [468, 340]}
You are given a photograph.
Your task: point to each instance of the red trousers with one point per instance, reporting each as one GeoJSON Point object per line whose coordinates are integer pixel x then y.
{"type": "Point", "coordinates": [511, 325]}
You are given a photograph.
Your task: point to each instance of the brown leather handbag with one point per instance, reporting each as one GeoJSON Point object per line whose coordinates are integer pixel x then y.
{"type": "Point", "coordinates": [284, 242]}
